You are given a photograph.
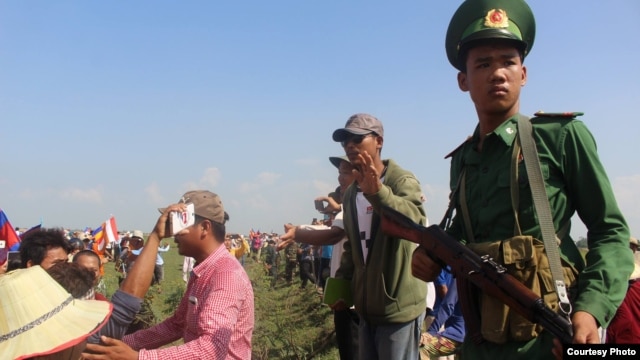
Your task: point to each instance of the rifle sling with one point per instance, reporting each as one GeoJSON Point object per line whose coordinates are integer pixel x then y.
{"type": "Point", "coordinates": [464, 208]}
{"type": "Point", "coordinates": [543, 210]}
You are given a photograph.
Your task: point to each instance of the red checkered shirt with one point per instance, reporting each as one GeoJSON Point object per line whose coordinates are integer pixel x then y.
{"type": "Point", "coordinates": [215, 316]}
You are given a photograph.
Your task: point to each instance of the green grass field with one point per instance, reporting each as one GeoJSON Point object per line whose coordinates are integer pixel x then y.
{"type": "Point", "coordinates": [290, 323]}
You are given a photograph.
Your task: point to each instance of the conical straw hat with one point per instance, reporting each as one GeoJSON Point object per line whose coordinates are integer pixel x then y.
{"type": "Point", "coordinates": [38, 317]}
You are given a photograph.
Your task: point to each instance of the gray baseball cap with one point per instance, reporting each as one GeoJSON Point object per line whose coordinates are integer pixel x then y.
{"type": "Point", "coordinates": [206, 204]}
{"type": "Point", "coordinates": [359, 124]}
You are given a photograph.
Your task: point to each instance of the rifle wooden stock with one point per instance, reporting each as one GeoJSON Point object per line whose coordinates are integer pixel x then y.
{"type": "Point", "coordinates": [482, 271]}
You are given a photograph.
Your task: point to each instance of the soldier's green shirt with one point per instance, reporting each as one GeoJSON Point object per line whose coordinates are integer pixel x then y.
{"type": "Point", "coordinates": [575, 181]}
{"type": "Point", "coordinates": [270, 255]}
{"type": "Point", "coordinates": [291, 251]}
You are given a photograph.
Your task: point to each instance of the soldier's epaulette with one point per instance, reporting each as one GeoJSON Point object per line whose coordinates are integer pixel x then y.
{"type": "Point", "coordinates": [566, 115]}
{"type": "Point", "coordinates": [458, 148]}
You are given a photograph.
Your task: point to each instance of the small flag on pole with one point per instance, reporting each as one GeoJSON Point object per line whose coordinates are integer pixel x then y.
{"type": "Point", "coordinates": [31, 229]}
{"type": "Point", "coordinates": [98, 235]}
{"type": "Point", "coordinates": [111, 230]}
{"type": "Point", "coordinates": [107, 232]}
{"type": "Point", "coordinates": [8, 237]}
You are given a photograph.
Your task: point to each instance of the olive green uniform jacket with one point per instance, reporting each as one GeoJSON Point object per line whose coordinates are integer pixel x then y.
{"type": "Point", "coordinates": [384, 290]}
{"type": "Point", "coordinates": [575, 181]}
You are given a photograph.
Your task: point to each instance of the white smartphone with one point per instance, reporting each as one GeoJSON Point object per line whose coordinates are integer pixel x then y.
{"type": "Point", "coordinates": [182, 220]}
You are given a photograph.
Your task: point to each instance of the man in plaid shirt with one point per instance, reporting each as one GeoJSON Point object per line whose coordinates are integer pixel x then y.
{"type": "Point", "coordinates": [215, 316]}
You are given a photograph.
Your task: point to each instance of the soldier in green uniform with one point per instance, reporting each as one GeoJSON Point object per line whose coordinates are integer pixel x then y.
{"type": "Point", "coordinates": [291, 256]}
{"type": "Point", "coordinates": [487, 41]}
{"type": "Point", "coordinates": [271, 262]}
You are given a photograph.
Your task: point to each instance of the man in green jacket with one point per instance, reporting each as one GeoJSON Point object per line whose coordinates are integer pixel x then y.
{"type": "Point", "coordinates": [487, 42]}
{"type": "Point", "coordinates": [390, 302]}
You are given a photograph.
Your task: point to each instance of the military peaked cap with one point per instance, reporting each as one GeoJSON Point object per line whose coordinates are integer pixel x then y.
{"type": "Point", "coordinates": [489, 19]}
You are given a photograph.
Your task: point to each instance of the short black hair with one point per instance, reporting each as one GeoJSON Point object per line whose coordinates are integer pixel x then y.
{"type": "Point", "coordinates": [219, 230]}
{"type": "Point", "coordinates": [74, 278]}
{"type": "Point", "coordinates": [35, 245]}
{"type": "Point", "coordinates": [86, 252]}
{"type": "Point", "coordinates": [76, 244]}
{"type": "Point", "coordinates": [336, 195]}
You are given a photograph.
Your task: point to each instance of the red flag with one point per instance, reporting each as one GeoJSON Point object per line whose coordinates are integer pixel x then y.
{"type": "Point", "coordinates": [8, 237]}
{"type": "Point", "coordinates": [111, 230]}
{"type": "Point", "coordinates": [108, 232]}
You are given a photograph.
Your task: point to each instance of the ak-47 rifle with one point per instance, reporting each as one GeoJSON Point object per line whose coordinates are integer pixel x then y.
{"type": "Point", "coordinates": [482, 271]}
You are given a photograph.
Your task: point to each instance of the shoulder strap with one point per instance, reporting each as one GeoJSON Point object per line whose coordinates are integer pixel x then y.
{"type": "Point", "coordinates": [515, 190]}
{"type": "Point", "coordinates": [464, 208]}
{"type": "Point", "coordinates": [543, 209]}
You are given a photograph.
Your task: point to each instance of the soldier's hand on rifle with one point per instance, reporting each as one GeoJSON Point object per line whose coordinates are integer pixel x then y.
{"type": "Point", "coordinates": [423, 266]}
{"type": "Point", "coordinates": [585, 331]}
{"type": "Point", "coordinates": [585, 328]}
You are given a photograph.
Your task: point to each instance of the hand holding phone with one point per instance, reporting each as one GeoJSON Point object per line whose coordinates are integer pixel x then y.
{"type": "Point", "coordinates": [183, 219]}
{"type": "Point", "coordinates": [319, 205]}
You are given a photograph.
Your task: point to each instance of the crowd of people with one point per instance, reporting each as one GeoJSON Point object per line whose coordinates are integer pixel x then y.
{"type": "Point", "coordinates": [505, 179]}
{"type": "Point", "coordinates": [214, 319]}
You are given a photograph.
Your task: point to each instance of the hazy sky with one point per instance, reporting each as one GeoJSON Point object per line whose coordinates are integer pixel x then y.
{"type": "Point", "coordinates": [117, 108]}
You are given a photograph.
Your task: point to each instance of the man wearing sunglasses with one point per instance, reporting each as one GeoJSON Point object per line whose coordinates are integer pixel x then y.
{"type": "Point", "coordinates": [389, 300]}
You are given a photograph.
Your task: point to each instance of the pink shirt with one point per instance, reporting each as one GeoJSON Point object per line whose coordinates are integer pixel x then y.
{"type": "Point", "coordinates": [215, 316]}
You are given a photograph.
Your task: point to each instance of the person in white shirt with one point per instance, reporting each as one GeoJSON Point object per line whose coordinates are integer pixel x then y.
{"type": "Point", "coordinates": [344, 320]}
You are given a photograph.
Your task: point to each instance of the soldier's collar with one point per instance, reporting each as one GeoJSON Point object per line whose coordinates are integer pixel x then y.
{"type": "Point", "coordinates": [508, 130]}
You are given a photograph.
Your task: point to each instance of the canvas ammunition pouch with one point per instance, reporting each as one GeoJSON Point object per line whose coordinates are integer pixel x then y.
{"type": "Point", "coordinates": [525, 259]}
